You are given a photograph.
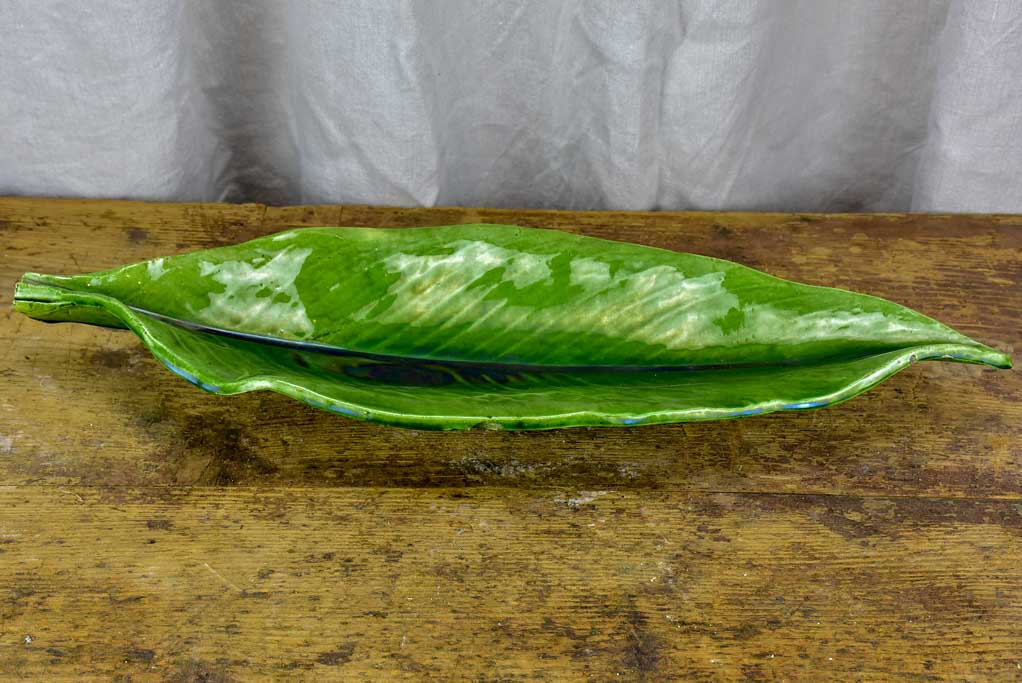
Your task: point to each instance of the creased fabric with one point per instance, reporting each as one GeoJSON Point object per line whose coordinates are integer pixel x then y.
{"type": "Point", "coordinates": [793, 105]}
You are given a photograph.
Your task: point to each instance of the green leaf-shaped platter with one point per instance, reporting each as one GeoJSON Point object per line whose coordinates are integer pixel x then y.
{"type": "Point", "coordinates": [499, 326]}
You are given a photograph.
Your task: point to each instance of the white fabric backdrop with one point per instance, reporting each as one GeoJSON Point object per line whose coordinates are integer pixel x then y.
{"type": "Point", "coordinates": [804, 105]}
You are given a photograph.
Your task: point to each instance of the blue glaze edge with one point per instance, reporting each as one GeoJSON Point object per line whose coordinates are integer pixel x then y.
{"type": "Point", "coordinates": [212, 388]}
{"type": "Point", "coordinates": [750, 411]}
{"type": "Point", "coordinates": [336, 408]}
{"type": "Point", "coordinates": [804, 405]}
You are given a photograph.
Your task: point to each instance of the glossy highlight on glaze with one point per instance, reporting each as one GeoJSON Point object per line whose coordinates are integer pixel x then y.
{"type": "Point", "coordinates": [500, 326]}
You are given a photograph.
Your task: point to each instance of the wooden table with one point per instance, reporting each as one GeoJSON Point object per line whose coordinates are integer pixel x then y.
{"type": "Point", "coordinates": [150, 531]}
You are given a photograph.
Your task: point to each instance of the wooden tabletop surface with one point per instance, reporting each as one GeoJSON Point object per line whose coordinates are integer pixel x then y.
{"type": "Point", "coordinates": [150, 531]}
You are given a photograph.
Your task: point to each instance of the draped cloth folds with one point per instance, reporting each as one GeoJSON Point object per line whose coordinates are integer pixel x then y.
{"type": "Point", "coordinates": [791, 105]}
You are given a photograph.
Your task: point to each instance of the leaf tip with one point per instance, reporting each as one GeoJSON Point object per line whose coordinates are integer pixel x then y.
{"type": "Point", "coordinates": [980, 353]}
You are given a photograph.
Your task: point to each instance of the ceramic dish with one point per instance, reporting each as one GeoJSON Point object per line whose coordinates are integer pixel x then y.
{"type": "Point", "coordinates": [499, 326]}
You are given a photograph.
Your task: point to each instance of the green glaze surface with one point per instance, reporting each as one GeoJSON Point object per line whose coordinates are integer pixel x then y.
{"type": "Point", "coordinates": [492, 325]}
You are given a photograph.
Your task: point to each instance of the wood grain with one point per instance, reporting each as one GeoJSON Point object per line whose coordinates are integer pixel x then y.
{"type": "Point", "coordinates": [150, 531]}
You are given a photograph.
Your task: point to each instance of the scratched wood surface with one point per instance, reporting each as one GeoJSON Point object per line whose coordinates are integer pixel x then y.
{"type": "Point", "coordinates": [150, 531]}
